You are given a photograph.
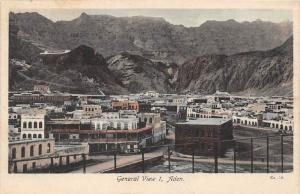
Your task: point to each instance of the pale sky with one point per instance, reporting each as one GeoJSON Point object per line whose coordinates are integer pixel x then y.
{"type": "Point", "coordinates": [186, 17]}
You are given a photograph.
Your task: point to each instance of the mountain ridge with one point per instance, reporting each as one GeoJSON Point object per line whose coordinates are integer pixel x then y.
{"type": "Point", "coordinates": [153, 38]}
{"type": "Point", "coordinates": [121, 56]}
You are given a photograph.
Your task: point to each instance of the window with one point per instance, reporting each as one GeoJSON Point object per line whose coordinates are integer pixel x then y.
{"type": "Point", "coordinates": [40, 124]}
{"type": "Point", "coordinates": [35, 125]}
{"type": "Point", "coordinates": [33, 165]}
{"type": "Point", "coordinates": [31, 150]}
{"type": "Point", "coordinates": [40, 149]}
{"type": "Point", "coordinates": [29, 136]}
{"type": "Point", "coordinates": [24, 136]}
{"type": "Point", "coordinates": [118, 125]}
{"type": "Point", "coordinates": [23, 152]}
{"type": "Point", "coordinates": [111, 124]}
{"type": "Point", "coordinates": [24, 167]}
{"type": "Point", "coordinates": [34, 135]}
{"type": "Point", "coordinates": [48, 148]}
{"type": "Point", "coordinates": [30, 125]}
{"type": "Point", "coordinates": [24, 125]}
{"type": "Point", "coordinates": [125, 126]}
{"type": "Point", "coordinates": [40, 136]}
{"type": "Point", "coordinates": [208, 134]}
{"type": "Point", "coordinates": [150, 120]}
{"type": "Point", "coordinates": [13, 153]}
{"type": "Point", "coordinates": [145, 120]}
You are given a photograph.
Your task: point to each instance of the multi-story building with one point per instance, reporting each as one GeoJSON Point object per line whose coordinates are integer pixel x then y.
{"type": "Point", "coordinates": [202, 135]}
{"type": "Point", "coordinates": [32, 126]}
{"type": "Point", "coordinates": [110, 115]}
{"type": "Point", "coordinates": [117, 124]}
{"type": "Point", "coordinates": [125, 105]}
{"type": "Point", "coordinates": [154, 120]}
{"type": "Point", "coordinates": [91, 110]}
{"type": "Point", "coordinates": [41, 89]}
{"type": "Point", "coordinates": [30, 98]}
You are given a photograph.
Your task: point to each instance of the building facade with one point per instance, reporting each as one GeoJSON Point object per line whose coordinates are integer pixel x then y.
{"type": "Point", "coordinates": [29, 150]}
{"type": "Point", "coordinates": [32, 126]}
{"type": "Point", "coordinates": [201, 136]}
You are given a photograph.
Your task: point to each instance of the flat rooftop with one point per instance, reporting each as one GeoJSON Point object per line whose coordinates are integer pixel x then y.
{"type": "Point", "coordinates": [205, 121]}
{"type": "Point", "coordinates": [22, 141]}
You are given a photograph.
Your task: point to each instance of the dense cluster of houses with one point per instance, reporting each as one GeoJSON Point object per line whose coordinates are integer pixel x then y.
{"type": "Point", "coordinates": [45, 123]}
{"type": "Point", "coordinates": [267, 112]}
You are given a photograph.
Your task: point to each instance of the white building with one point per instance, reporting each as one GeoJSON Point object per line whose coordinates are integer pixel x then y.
{"type": "Point", "coordinates": [118, 124]}
{"type": "Point", "coordinates": [32, 126]}
{"type": "Point", "coordinates": [110, 115]}
{"type": "Point", "coordinates": [252, 121]}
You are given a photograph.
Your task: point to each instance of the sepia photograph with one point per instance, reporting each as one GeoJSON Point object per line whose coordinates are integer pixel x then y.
{"type": "Point", "coordinates": [140, 92]}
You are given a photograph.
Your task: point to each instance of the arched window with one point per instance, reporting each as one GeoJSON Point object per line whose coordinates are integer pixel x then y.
{"type": "Point", "coordinates": [31, 150]}
{"type": "Point", "coordinates": [34, 135]}
{"type": "Point", "coordinates": [103, 126]}
{"type": "Point", "coordinates": [150, 120]}
{"type": "Point", "coordinates": [111, 124]}
{"type": "Point", "coordinates": [30, 125]}
{"type": "Point", "coordinates": [13, 153]}
{"type": "Point", "coordinates": [286, 128]}
{"type": "Point", "coordinates": [23, 152]}
{"type": "Point", "coordinates": [35, 125]}
{"type": "Point", "coordinates": [281, 126]}
{"type": "Point", "coordinates": [145, 120]}
{"type": "Point", "coordinates": [118, 125]}
{"type": "Point", "coordinates": [24, 136]}
{"type": "Point", "coordinates": [48, 148]}
{"type": "Point", "coordinates": [40, 136]}
{"type": "Point", "coordinates": [245, 122]}
{"type": "Point", "coordinates": [40, 124]}
{"type": "Point", "coordinates": [277, 126]}
{"type": "Point", "coordinates": [24, 125]}
{"type": "Point", "coordinates": [29, 136]}
{"type": "Point", "coordinates": [290, 128]}
{"type": "Point", "coordinates": [40, 149]}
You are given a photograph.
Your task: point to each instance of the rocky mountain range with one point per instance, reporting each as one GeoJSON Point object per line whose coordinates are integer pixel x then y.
{"type": "Point", "coordinates": [260, 72]}
{"type": "Point", "coordinates": [151, 37]}
{"type": "Point", "coordinates": [133, 54]}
